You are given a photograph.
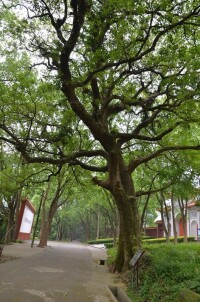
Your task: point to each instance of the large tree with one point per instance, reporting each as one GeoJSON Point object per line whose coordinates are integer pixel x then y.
{"type": "Point", "coordinates": [128, 70]}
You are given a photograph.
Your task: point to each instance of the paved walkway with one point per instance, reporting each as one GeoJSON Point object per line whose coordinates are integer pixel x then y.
{"type": "Point", "coordinates": [61, 272]}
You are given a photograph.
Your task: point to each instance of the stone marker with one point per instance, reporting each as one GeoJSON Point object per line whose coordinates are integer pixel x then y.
{"type": "Point", "coordinates": [186, 295]}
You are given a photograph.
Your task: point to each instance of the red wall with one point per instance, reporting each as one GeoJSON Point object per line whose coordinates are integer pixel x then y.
{"type": "Point", "coordinates": [156, 232]}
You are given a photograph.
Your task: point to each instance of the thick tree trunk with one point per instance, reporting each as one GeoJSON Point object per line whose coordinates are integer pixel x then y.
{"type": "Point", "coordinates": [129, 236]}
{"type": "Point", "coordinates": [121, 186]}
{"type": "Point", "coordinates": [43, 235]}
{"type": "Point", "coordinates": [124, 195]}
{"type": "Point", "coordinates": [46, 224]}
{"type": "Point", "coordinates": [47, 217]}
{"type": "Point", "coordinates": [117, 227]}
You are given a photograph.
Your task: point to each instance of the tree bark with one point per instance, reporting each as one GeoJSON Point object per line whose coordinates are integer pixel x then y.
{"type": "Point", "coordinates": [164, 213]}
{"type": "Point", "coordinates": [59, 235]}
{"type": "Point", "coordinates": [174, 219]}
{"type": "Point", "coordinates": [10, 224]}
{"type": "Point", "coordinates": [47, 223]}
{"type": "Point", "coordinates": [18, 202]}
{"type": "Point", "coordinates": [43, 229]}
{"type": "Point", "coordinates": [183, 210]}
{"type": "Point", "coordinates": [87, 229]}
{"type": "Point", "coordinates": [123, 191]}
{"type": "Point", "coordinates": [98, 224]}
{"type": "Point", "coordinates": [11, 220]}
{"type": "Point", "coordinates": [117, 228]}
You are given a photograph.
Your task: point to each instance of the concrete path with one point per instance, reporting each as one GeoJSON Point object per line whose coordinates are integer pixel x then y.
{"type": "Point", "coordinates": [61, 272]}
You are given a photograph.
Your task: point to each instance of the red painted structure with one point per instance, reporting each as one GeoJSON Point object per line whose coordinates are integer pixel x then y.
{"type": "Point", "coordinates": [181, 230]}
{"type": "Point", "coordinates": [156, 232]}
{"type": "Point", "coordinates": [26, 216]}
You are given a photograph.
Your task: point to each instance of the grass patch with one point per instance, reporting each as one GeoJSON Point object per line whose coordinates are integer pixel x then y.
{"type": "Point", "coordinates": [164, 270]}
{"type": "Point", "coordinates": [112, 253]}
{"type": "Point", "coordinates": [18, 241]}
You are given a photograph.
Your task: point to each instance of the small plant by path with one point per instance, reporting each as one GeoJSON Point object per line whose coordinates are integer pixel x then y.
{"type": "Point", "coordinates": [4, 259]}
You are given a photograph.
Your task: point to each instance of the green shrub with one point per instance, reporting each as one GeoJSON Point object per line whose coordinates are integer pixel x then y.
{"type": "Point", "coordinates": [154, 240]}
{"type": "Point", "coordinates": [100, 241]}
{"type": "Point", "coordinates": [110, 240]}
{"type": "Point", "coordinates": [108, 245]}
{"type": "Point", "coordinates": [19, 241]}
{"type": "Point", "coordinates": [163, 240]}
{"type": "Point", "coordinates": [147, 237]}
{"type": "Point", "coordinates": [112, 252]}
{"type": "Point", "coordinates": [165, 269]}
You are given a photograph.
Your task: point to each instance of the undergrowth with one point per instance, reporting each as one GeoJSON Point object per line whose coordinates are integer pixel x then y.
{"type": "Point", "coordinates": [164, 269]}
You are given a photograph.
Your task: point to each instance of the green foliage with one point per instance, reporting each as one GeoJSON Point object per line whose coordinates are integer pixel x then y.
{"type": "Point", "coordinates": [108, 245]}
{"type": "Point", "coordinates": [88, 209]}
{"type": "Point", "coordinates": [100, 241]}
{"type": "Point", "coordinates": [108, 242]}
{"type": "Point", "coordinates": [163, 240]}
{"type": "Point", "coordinates": [19, 241]}
{"type": "Point", "coordinates": [112, 253]}
{"type": "Point", "coordinates": [165, 269]}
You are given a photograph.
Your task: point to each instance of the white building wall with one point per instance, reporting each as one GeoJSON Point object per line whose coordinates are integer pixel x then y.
{"type": "Point", "coordinates": [198, 222]}
{"type": "Point", "coordinates": [27, 221]}
{"type": "Point", "coordinates": [193, 221]}
{"type": "Point", "coordinates": [193, 216]}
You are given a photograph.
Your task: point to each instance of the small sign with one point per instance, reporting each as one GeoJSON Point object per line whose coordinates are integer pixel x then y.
{"type": "Point", "coordinates": [136, 258]}
{"type": "Point", "coordinates": [198, 232]}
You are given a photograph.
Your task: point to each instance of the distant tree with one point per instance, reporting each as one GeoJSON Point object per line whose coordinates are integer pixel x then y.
{"type": "Point", "coordinates": [165, 211]}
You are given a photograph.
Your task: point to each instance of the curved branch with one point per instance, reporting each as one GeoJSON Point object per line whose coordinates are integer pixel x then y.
{"type": "Point", "coordinates": [77, 162]}
{"type": "Point", "coordinates": [57, 24]}
{"type": "Point", "coordinates": [125, 137]}
{"type": "Point", "coordinates": [71, 42]}
{"type": "Point", "coordinates": [102, 183]}
{"type": "Point", "coordinates": [139, 56]}
{"type": "Point", "coordinates": [137, 162]}
{"type": "Point", "coordinates": [149, 192]}
{"type": "Point", "coordinates": [90, 153]}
